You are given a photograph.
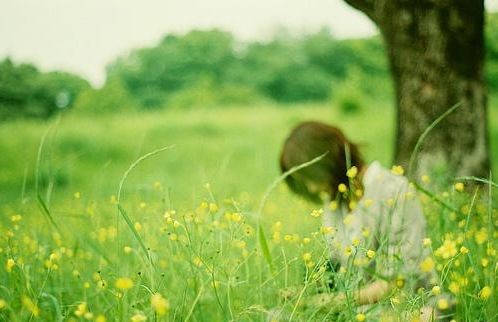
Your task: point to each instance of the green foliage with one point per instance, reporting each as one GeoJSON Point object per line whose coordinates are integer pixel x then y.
{"type": "Point", "coordinates": [492, 51]}
{"type": "Point", "coordinates": [152, 75]}
{"type": "Point", "coordinates": [348, 95]}
{"type": "Point", "coordinates": [206, 68]}
{"type": "Point", "coordinates": [113, 97]}
{"type": "Point", "coordinates": [26, 92]}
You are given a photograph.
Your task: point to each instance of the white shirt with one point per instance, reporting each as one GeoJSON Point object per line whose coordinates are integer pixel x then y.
{"type": "Point", "coordinates": [388, 219]}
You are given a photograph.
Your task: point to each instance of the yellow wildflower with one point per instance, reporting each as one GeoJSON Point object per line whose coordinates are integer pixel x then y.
{"type": "Point", "coordinates": [464, 250]}
{"type": "Point", "coordinates": [325, 230]}
{"type": "Point", "coordinates": [30, 306]}
{"type": "Point", "coordinates": [481, 236]}
{"type": "Point", "coordinates": [124, 283]}
{"type": "Point", "coordinates": [397, 170]}
{"type": "Point", "coordinates": [307, 257]}
{"type": "Point", "coordinates": [197, 261]}
{"type": "Point", "coordinates": [240, 244]}
{"type": "Point", "coordinates": [3, 304]}
{"type": "Point", "coordinates": [443, 304]}
{"type": "Point", "coordinates": [288, 237]}
{"type": "Point", "coordinates": [348, 220]}
{"type": "Point", "coordinates": [352, 172]}
{"type": "Point", "coordinates": [159, 304]}
{"type": "Point", "coordinates": [10, 264]}
{"type": "Point", "coordinates": [485, 293]}
{"type": "Point", "coordinates": [447, 250]}
{"type": "Point", "coordinates": [360, 317]}
{"type": "Point", "coordinates": [100, 318]}
{"type": "Point", "coordinates": [459, 186]}
{"type": "Point", "coordinates": [342, 188]}
{"type": "Point", "coordinates": [370, 253]}
{"type": "Point", "coordinates": [138, 317]}
{"type": "Point", "coordinates": [213, 208]}
{"type": "Point", "coordinates": [316, 213]}
{"type": "Point", "coordinates": [16, 218]}
{"type": "Point", "coordinates": [436, 290]}
{"type": "Point", "coordinates": [427, 265]}
{"type": "Point", "coordinates": [236, 217]}
{"type": "Point", "coordinates": [276, 236]}
{"type": "Point", "coordinates": [454, 287]}
{"type": "Point", "coordinates": [400, 282]}
{"type": "Point", "coordinates": [81, 310]}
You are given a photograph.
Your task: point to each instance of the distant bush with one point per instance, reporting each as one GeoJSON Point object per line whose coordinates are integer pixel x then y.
{"type": "Point", "coordinates": [153, 75]}
{"type": "Point", "coordinates": [349, 104]}
{"type": "Point", "coordinates": [26, 92]}
{"type": "Point", "coordinates": [349, 95]}
{"type": "Point", "coordinates": [208, 94]}
{"type": "Point", "coordinates": [492, 51]}
{"type": "Point", "coordinates": [111, 98]}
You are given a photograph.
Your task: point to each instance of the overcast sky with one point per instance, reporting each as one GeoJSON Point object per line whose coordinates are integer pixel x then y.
{"type": "Point", "coordinates": [82, 36]}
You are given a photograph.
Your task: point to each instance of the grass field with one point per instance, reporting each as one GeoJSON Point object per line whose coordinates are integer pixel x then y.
{"type": "Point", "coordinates": [185, 246]}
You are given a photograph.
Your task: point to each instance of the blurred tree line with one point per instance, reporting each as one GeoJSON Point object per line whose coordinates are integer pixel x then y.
{"type": "Point", "coordinates": [207, 68]}
{"type": "Point", "coordinates": [25, 91]}
{"type": "Point", "coordinates": [211, 68]}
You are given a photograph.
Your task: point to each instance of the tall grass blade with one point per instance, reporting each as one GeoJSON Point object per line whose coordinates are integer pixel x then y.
{"type": "Point", "coordinates": [133, 230]}
{"type": "Point", "coordinates": [425, 133]}
{"type": "Point", "coordinates": [263, 243]}
{"type": "Point", "coordinates": [121, 210]}
{"type": "Point", "coordinates": [481, 180]}
{"type": "Point", "coordinates": [194, 303]}
{"type": "Point", "coordinates": [46, 211]}
{"type": "Point", "coordinates": [137, 162]}
{"type": "Point", "coordinates": [41, 202]}
{"type": "Point", "coordinates": [436, 199]}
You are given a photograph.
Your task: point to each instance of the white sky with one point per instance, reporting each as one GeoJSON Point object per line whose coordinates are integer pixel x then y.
{"type": "Point", "coordinates": [82, 36]}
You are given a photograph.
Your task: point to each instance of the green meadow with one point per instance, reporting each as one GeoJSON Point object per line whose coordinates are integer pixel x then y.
{"type": "Point", "coordinates": [184, 244]}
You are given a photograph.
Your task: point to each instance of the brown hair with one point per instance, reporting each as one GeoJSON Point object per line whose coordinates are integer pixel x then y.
{"type": "Point", "coordinates": [309, 140]}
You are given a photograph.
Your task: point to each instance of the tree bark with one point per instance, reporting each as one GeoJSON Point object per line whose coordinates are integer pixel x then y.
{"type": "Point", "coordinates": [436, 54]}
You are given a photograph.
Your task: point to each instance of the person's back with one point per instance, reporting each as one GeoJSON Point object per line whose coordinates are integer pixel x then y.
{"type": "Point", "coordinates": [387, 219]}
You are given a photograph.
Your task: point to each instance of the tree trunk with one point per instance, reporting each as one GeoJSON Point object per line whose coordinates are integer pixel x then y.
{"type": "Point", "coordinates": [436, 54]}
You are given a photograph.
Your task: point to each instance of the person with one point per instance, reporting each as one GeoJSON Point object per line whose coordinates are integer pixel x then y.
{"type": "Point", "coordinates": [373, 214]}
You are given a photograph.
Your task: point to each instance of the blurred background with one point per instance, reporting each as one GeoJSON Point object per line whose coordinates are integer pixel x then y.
{"type": "Point", "coordinates": [222, 80]}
